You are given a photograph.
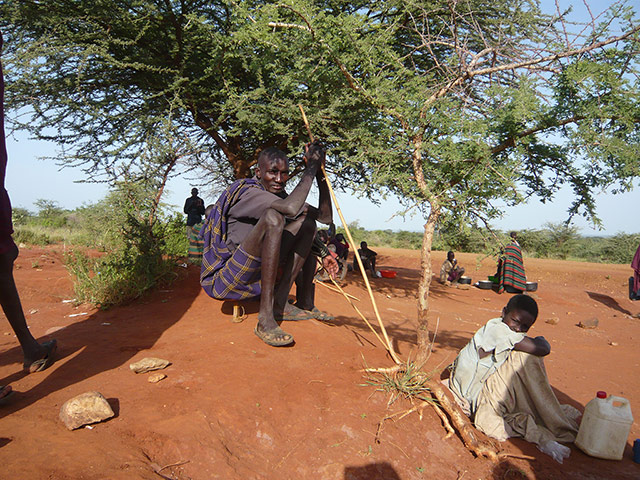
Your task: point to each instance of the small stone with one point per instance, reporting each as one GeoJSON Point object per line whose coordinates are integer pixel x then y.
{"type": "Point", "coordinates": [486, 299]}
{"type": "Point", "coordinates": [90, 407]}
{"type": "Point", "coordinates": [589, 323]}
{"type": "Point", "coordinates": [464, 286]}
{"type": "Point", "coordinates": [33, 311]}
{"type": "Point", "coordinates": [156, 377]}
{"type": "Point", "coordinates": [552, 320]}
{"type": "Point", "coordinates": [149, 364]}
{"type": "Point", "coordinates": [613, 344]}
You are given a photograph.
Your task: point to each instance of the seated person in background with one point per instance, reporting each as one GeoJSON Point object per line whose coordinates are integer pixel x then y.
{"type": "Point", "coordinates": [499, 380]}
{"type": "Point", "coordinates": [341, 246]}
{"type": "Point", "coordinates": [450, 272]}
{"type": "Point", "coordinates": [258, 240]}
{"type": "Point", "coordinates": [368, 258]}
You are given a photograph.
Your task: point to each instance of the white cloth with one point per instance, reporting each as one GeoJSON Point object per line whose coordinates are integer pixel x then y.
{"type": "Point", "coordinates": [470, 371]}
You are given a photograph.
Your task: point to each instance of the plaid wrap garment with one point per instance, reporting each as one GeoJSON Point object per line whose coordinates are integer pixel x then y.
{"type": "Point", "coordinates": [230, 284]}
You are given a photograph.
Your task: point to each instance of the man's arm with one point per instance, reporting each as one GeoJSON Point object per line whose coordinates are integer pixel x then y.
{"type": "Point", "coordinates": [291, 206]}
{"type": "Point", "coordinates": [187, 205]}
{"type": "Point", "coordinates": [325, 212]}
{"type": "Point", "coordinates": [537, 346]}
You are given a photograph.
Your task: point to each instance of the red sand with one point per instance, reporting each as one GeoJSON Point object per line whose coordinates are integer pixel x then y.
{"type": "Point", "coordinates": [234, 408]}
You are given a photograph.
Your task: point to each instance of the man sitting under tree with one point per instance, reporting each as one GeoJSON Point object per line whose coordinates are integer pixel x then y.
{"type": "Point", "coordinates": [258, 239]}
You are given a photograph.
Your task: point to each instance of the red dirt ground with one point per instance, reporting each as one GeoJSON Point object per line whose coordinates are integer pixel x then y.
{"type": "Point", "coordinates": [234, 408]}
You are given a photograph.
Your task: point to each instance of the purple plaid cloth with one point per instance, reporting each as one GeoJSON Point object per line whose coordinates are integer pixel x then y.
{"type": "Point", "coordinates": [238, 279]}
{"type": "Point", "coordinates": [226, 274]}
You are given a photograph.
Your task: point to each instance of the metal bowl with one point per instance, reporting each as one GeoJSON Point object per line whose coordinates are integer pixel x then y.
{"type": "Point", "coordinates": [484, 284]}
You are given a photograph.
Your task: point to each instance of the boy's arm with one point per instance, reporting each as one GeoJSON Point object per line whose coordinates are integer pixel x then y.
{"type": "Point", "coordinates": [537, 346]}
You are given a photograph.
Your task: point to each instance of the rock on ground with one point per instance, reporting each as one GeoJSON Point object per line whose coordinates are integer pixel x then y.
{"type": "Point", "coordinates": [148, 364]}
{"type": "Point", "coordinates": [156, 377]}
{"type": "Point", "coordinates": [89, 407]}
{"type": "Point", "coordinates": [589, 323]}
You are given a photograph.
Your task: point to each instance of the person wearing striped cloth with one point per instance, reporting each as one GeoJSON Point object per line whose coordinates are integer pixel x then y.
{"type": "Point", "coordinates": [511, 274]}
{"type": "Point", "coordinates": [258, 239]}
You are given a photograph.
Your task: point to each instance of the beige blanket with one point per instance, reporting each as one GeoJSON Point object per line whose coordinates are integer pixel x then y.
{"type": "Point", "coordinates": [517, 401]}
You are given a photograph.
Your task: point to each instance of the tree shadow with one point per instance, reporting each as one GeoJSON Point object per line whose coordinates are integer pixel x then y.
{"type": "Point", "coordinates": [371, 471]}
{"type": "Point", "coordinates": [105, 340]}
{"type": "Point", "coordinates": [608, 301]}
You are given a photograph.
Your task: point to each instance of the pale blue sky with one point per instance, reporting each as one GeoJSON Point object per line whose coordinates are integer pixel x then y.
{"type": "Point", "coordinates": [29, 179]}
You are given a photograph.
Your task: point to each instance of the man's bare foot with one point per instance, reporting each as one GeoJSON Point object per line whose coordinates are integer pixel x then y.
{"type": "Point", "coordinates": [43, 359]}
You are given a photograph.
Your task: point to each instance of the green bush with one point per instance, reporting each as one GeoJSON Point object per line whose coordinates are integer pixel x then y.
{"type": "Point", "coordinates": [620, 248]}
{"type": "Point", "coordinates": [123, 274]}
{"type": "Point", "coordinates": [30, 236]}
{"type": "Point", "coordinates": [175, 237]}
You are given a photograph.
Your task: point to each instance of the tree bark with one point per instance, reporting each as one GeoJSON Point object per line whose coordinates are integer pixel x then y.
{"type": "Point", "coordinates": [423, 287]}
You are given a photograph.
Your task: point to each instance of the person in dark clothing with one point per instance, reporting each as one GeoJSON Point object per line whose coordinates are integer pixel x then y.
{"type": "Point", "coordinates": [37, 356]}
{"type": "Point", "coordinates": [368, 258]}
{"type": "Point", "coordinates": [194, 208]}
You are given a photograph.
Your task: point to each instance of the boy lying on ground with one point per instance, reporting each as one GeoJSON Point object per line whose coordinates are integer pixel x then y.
{"type": "Point", "coordinates": [499, 380]}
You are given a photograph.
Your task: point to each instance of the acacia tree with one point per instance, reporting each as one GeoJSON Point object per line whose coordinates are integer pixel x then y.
{"type": "Point", "coordinates": [479, 102]}
{"type": "Point", "coordinates": [103, 78]}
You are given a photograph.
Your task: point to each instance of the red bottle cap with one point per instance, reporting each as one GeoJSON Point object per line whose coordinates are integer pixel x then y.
{"type": "Point", "coordinates": [601, 394]}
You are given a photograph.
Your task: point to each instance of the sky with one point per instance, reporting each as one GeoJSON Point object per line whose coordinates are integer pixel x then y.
{"type": "Point", "coordinates": [29, 178]}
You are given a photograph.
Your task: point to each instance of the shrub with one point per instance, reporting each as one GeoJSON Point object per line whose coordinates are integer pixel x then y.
{"type": "Point", "coordinates": [30, 236]}
{"type": "Point", "coordinates": [123, 274]}
{"type": "Point", "coordinates": [620, 248]}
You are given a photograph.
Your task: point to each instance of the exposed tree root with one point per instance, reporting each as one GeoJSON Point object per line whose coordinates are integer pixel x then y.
{"type": "Point", "coordinates": [478, 443]}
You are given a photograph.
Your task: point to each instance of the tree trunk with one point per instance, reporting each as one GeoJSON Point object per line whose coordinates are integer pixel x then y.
{"type": "Point", "coordinates": [423, 287]}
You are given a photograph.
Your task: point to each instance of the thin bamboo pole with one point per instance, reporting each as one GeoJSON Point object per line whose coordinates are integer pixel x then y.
{"type": "Point", "coordinates": [388, 343]}
{"type": "Point", "coordinates": [357, 311]}
{"type": "Point", "coordinates": [336, 290]}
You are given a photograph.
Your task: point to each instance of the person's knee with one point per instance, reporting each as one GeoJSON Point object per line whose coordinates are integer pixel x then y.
{"type": "Point", "coordinates": [308, 227]}
{"type": "Point", "coordinates": [273, 219]}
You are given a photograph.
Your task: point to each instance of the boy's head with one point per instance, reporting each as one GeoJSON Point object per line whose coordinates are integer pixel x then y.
{"type": "Point", "coordinates": [520, 313]}
{"type": "Point", "coordinates": [207, 210]}
{"type": "Point", "coordinates": [450, 255]}
{"type": "Point", "coordinates": [363, 245]}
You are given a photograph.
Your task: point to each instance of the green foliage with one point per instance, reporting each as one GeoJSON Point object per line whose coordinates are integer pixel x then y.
{"type": "Point", "coordinates": [620, 248]}
{"type": "Point", "coordinates": [20, 216]}
{"type": "Point", "coordinates": [30, 236]}
{"type": "Point", "coordinates": [124, 274]}
{"type": "Point", "coordinates": [175, 239]}
{"type": "Point", "coordinates": [50, 214]}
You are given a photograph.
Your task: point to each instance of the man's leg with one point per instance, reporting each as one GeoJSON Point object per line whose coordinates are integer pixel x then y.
{"type": "Point", "coordinates": [264, 241]}
{"type": "Point", "coordinates": [305, 288]}
{"type": "Point", "coordinates": [298, 261]}
{"type": "Point", "coordinates": [10, 300]}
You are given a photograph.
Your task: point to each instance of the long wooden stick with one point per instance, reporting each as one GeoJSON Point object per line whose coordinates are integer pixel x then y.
{"type": "Point", "coordinates": [336, 290]}
{"type": "Point", "coordinates": [364, 319]}
{"type": "Point", "coordinates": [389, 345]}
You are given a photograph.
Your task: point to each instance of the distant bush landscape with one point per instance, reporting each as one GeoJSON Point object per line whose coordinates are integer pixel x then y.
{"type": "Point", "coordinates": [101, 226]}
